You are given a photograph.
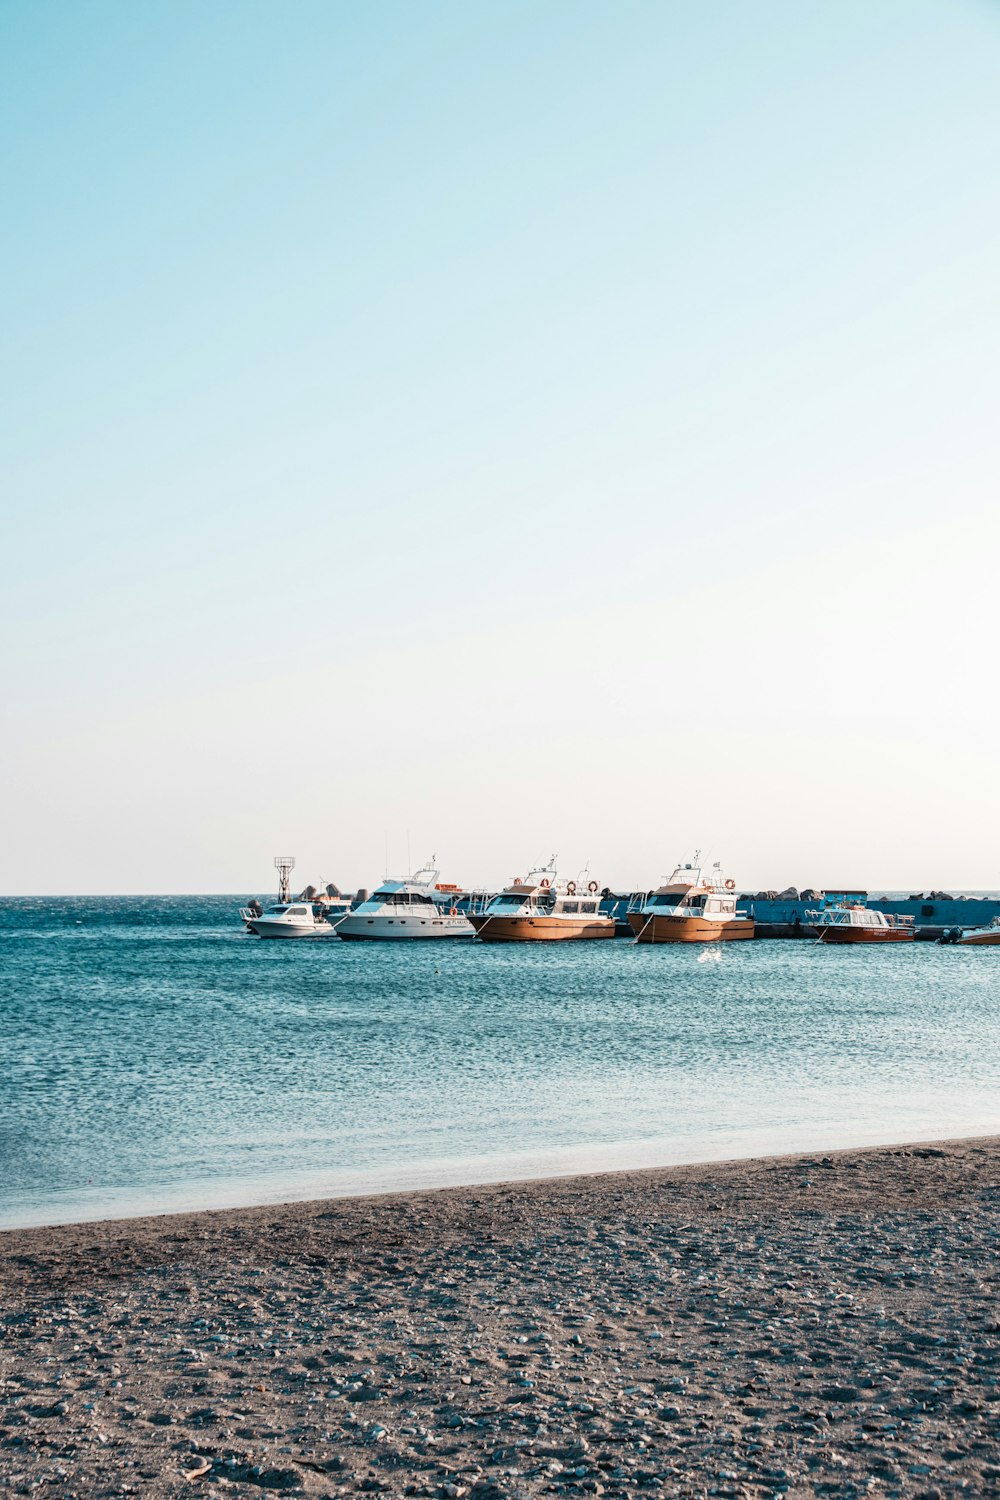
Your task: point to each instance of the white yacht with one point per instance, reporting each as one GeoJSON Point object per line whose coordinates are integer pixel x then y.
{"type": "Point", "coordinates": [289, 919]}
{"type": "Point", "coordinates": [408, 909]}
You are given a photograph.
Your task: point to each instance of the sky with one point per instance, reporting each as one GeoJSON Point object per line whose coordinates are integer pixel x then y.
{"type": "Point", "coordinates": [499, 429]}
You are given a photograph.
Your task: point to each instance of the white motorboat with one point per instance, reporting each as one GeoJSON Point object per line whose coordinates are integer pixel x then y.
{"type": "Point", "coordinates": [289, 919]}
{"type": "Point", "coordinates": [401, 910]}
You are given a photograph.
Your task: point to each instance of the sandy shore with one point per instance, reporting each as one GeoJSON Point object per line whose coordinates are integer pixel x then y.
{"type": "Point", "coordinates": [801, 1326]}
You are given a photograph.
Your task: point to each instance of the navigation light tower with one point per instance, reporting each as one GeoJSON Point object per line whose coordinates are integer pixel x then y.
{"type": "Point", "coordinates": [284, 864]}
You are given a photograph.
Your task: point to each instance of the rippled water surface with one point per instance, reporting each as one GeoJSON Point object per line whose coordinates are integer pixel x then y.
{"type": "Point", "coordinates": [153, 1056]}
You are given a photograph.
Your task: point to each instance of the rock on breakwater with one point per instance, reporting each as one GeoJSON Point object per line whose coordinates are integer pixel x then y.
{"type": "Point", "coordinates": [799, 1326]}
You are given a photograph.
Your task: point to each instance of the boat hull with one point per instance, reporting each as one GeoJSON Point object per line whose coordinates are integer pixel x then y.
{"type": "Point", "coordinates": [542, 929]}
{"type": "Point", "coordinates": [657, 928]}
{"type": "Point", "coordinates": [356, 929]}
{"type": "Point", "coordinates": [866, 934]}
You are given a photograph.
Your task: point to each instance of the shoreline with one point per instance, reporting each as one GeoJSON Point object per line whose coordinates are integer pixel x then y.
{"type": "Point", "coordinates": [448, 1175]}
{"type": "Point", "coordinates": [787, 1325]}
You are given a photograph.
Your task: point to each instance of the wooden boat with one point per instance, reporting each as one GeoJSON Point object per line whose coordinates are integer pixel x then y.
{"type": "Point", "coordinates": [688, 909]}
{"type": "Point", "coordinates": [854, 923]}
{"type": "Point", "coordinates": [543, 909]}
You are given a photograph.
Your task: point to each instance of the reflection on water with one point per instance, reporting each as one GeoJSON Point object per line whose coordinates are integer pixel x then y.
{"type": "Point", "coordinates": [154, 1056]}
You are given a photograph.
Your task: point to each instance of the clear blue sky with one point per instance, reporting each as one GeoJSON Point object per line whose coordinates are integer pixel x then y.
{"type": "Point", "coordinates": [497, 424]}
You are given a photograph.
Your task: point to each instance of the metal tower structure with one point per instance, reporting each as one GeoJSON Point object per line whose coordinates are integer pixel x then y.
{"type": "Point", "coordinates": [284, 864]}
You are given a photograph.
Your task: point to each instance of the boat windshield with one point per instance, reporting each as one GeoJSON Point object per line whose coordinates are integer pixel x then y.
{"type": "Point", "coordinates": [507, 903]}
{"type": "Point", "coordinates": [672, 898]}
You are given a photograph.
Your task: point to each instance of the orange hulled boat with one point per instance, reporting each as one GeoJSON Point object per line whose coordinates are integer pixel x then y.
{"type": "Point", "coordinates": [543, 908]}
{"type": "Point", "coordinates": [689, 909]}
{"type": "Point", "coordinates": [854, 923]}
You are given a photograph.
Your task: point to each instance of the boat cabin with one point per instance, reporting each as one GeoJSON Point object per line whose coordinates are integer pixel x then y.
{"type": "Point", "coordinates": [859, 916]}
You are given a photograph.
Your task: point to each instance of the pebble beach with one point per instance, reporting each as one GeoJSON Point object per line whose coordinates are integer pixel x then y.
{"type": "Point", "coordinates": [805, 1325]}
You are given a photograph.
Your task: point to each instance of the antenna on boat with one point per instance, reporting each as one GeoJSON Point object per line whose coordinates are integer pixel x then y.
{"type": "Point", "coordinates": [284, 864]}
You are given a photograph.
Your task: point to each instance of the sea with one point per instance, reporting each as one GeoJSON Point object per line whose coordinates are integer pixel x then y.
{"type": "Point", "coordinates": [156, 1057]}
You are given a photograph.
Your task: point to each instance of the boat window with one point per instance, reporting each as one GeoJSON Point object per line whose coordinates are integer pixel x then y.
{"type": "Point", "coordinates": [297, 911]}
{"type": "Point", "coordinates": [507, 903]}
{"type": "Point", "coordinates": [571, 906]}
{"type": "Point", "coordinates": [662, 900]}
{"type": "Point", "coordinates": [588, 906]}
{"type": "Point", "coordinates": [713, 905]}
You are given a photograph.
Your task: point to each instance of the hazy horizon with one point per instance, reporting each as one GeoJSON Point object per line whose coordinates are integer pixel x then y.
{"type": "Point", "coordinates": [506, 429]}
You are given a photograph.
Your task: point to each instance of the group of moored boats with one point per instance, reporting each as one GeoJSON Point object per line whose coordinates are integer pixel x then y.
{"type": "Point", "coordinates": [690, 907]}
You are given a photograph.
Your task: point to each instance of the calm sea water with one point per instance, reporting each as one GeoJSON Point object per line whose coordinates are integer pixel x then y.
{"type": "Point", "coordinates": [153, 1056]}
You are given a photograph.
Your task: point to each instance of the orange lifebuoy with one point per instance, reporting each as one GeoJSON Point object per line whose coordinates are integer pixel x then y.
{"type": "Point", "coordinates": [730, 885]}
{"type": "Point", "coordinates": [544, 883]}
{"type": "Point", "coordinates": [453, 911]}
{"type": "Point", "coordinates": [593, 888]}
{"type": "Point", "coordinates": [571, 888]}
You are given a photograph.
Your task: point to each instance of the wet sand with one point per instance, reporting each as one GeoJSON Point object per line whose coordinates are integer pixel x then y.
{"type": "Point", "coordinates": [799, 1326]}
